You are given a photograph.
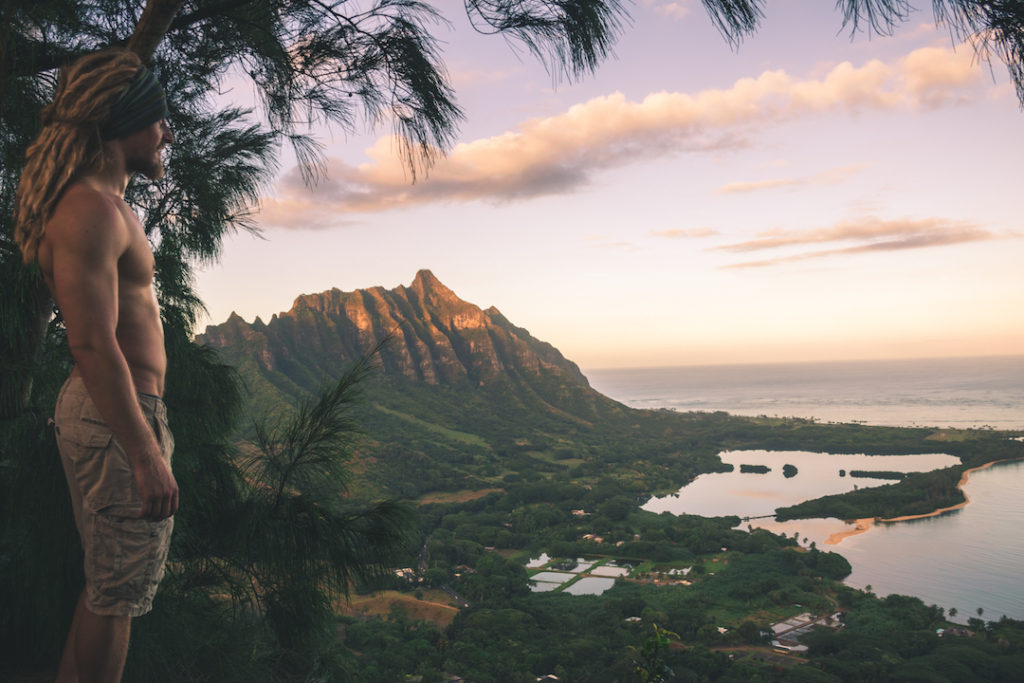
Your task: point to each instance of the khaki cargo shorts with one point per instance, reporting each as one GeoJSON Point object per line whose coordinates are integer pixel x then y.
{"type": "Point", "coordinates": [124, 555]}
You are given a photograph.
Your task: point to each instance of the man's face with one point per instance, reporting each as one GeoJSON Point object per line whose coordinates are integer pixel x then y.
{"type": "Point", "coordinates": [143, 148]}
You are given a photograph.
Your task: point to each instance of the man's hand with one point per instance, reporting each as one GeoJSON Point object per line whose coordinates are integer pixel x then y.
{"type": "Point", "coordinates": [157, 488]}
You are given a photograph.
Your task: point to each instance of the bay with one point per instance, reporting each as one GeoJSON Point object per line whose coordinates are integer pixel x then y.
{"type": "Point", "coordinates": [755, 495]}
{"type": "Point", "coordinates": [968, 559]}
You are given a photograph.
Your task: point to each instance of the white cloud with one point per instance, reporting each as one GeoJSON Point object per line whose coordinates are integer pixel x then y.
{"type": "Point", "coordinates": [938, 75]}
{"type": "Point", "coordinates": [559, 154]}
{"type": "Point", "coordinates": [867, 234]}
{"type": "Point", "coordinates": [753, 186]}
{"type": "Point", "coordinates": [463, 77]}
{"type": "Point", "coordinates": [829, 177]}
{"type": "Point", "coordinates": [685, 233]}
{"type": "Point", "coordinates": [675, 10]}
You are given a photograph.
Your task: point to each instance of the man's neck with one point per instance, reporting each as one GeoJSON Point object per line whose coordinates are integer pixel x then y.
{"type": "Point", "coordinates": [114, 176]}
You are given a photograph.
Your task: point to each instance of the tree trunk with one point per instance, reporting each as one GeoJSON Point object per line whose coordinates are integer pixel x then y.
{"type": "Point", "coordinates": [152, 26]}
{"type": "Point", "coordinates": [25, 308]}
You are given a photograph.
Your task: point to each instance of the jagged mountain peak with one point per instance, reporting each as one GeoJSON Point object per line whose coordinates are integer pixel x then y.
{"type": "Point", "coordinates": [437, 337]}
{"type": "Point", "coordinates": [433, 294]}
{"type": "Point", "coordinates": [425, 281]}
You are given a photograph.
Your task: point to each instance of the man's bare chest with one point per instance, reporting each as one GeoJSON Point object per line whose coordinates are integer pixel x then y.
{"type": "Point", "coordinates": [137, 265]}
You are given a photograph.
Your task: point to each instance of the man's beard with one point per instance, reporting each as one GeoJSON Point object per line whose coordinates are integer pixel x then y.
{"type": "Point", "coordinates": [152, 167]}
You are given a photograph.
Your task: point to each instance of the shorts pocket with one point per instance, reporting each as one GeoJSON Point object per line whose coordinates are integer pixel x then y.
{"type": "Point", "coordinates": [101, 469]}
{"type": "Point", "coordinates": [127, 557]}
{"type": "Point", "coordinates": [90, 413]}
{"type": "Point", "coordinates": [85, 435]}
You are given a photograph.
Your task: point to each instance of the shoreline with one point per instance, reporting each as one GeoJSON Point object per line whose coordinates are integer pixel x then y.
{"type": "Point", "coordinates": [864, 524]}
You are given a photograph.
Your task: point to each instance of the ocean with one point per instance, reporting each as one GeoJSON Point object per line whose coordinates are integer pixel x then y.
{"type": "Point", "coordinates": [970, 559]}
{"type": "Point", "coordinates": [943, 392]}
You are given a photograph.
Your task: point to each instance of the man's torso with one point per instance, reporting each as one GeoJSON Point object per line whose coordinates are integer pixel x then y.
{"type": "Point", "coordinates": [139, 330]}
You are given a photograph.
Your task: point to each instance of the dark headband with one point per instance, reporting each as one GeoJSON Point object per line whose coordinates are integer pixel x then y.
{"type": "Point", "coordinates": [142, 103]}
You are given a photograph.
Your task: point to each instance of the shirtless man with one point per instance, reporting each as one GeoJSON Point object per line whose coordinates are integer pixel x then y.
{"type": "Point", "coordinates": [110, 421]}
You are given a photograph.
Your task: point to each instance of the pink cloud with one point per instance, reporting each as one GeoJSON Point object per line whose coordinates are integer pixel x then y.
{"type": "Point", "coordinates": [685, 233]}
{"type": "Point", "coordinates": [560, 154]}
{"type": "Point", "coordinates": [829, 177]}
{"type": "Point", "coordinates": [870, 235]}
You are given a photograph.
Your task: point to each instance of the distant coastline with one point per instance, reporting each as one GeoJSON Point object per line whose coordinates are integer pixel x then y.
{"type": "Point", "coordinates": [865, 524]}
{"type": "Point", "coordinates": [961, 393]}
{"type": "Point", "coordinates": [1018, 357]}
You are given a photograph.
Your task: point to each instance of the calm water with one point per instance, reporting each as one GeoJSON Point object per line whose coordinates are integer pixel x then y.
{"type": "Point", "coordinates": [756, 495]}
{"type": "Point", "coordinates": [949, 392]}
{"type": "Point", "coordinates": [970, 558]}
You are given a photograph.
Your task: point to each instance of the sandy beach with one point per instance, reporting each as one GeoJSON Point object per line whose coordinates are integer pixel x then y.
{"type": "Point", "coordinates": [865, 524]}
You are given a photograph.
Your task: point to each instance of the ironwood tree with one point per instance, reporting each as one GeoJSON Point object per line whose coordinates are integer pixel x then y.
{"type": "Point", "coordinates": [345, 63]}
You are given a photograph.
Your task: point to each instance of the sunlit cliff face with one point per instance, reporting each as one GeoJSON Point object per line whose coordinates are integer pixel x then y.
{"type": "Point", "coordinates": [783, 202]}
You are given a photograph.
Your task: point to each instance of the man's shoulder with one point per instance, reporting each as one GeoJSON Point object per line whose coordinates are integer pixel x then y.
{"type": "Point", "coordinates": [86, 213]}
{"type": "Point", "coordinates": [81, 203]}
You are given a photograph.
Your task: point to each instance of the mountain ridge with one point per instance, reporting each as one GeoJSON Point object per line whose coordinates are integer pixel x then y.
{"type": "Point", "coordinates": [436, 337]}
{"type": "Point", "coordinates": [465, 400]}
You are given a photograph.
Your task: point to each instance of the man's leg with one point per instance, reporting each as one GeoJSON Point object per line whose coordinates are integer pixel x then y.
{"type": "Point", "coordinates": [68, 671]}
{"type": "Point", "coordinates": [96, 647]}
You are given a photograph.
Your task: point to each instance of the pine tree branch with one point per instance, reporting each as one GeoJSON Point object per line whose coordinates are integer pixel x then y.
{"type": "Point", "coordinates": [208, 11]}
{"type": "Point", "coordinates": [153, 25]}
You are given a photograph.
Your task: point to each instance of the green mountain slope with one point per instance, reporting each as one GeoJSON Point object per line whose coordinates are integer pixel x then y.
{"type": "Point", "coordinates": [464, 399]}
{"type": "Point", "coordinates": [463, 396]}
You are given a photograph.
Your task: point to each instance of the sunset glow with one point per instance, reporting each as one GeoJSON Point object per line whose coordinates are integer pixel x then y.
{"type": "Point", "coordinates": [806, 197]}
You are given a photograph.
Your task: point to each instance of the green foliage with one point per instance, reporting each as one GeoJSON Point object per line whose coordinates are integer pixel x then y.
{"type": "Point", "coordinates": [276, 539]}
{"type": "Point", "coordinates": [302, 544]}
{"type": "Point", "coordinates": [259, 552]}
{"type": "Point", "coordinates": [193, 635]}
{"type": "Point", "coordinates": [650, 661]}
{"type": "Point", "coordinates": [763, 578]}
{"type": "Point", "coordinates": [878, 474]}
{"type": "Point", "coordinates": [917, 493]}
{"type": "Point", "coordinates": [895, 639]}
{"type": "Point", "coordinates": [39, 554]}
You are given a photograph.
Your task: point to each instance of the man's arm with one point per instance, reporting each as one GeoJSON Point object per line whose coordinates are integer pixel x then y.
{"type": "Point", "coordinates": [88, 236]}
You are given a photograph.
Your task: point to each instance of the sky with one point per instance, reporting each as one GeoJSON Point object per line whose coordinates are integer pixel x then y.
{"type": "Point", "coordinates": [805, 197]}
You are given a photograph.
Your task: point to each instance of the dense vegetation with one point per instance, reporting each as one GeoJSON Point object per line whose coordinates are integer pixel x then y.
{"type": "Point", "coordinates": [878, 474]}
{"type": "Point", "coordinates": [261, 544]}
{"type": "Point", "coordinates": [266, 544]}
{"type": "Point", "coordinates": [916, 494]}
{"type": "Point", "coordinates": [429, 439]}
{"type": "Point", "coordinates": [426, 438]}
{"type": "Point", "coordinates": [738, 584]}
{"type": "Point", "coordinates": [569, 483]}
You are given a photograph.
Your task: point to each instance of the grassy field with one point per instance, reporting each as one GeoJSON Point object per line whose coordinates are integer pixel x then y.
{"type": "Point", "coordinates": [451, 434]}
{"type": "Point", "coordinates": [435, 606]}
{"type": "Point", "coordinates": [948, 435]}
{"type": "Point", "coordinates": [454, 496]}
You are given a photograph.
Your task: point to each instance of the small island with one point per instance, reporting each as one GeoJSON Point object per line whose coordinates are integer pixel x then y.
{"type": "Point", "coordinates": [878, 474]}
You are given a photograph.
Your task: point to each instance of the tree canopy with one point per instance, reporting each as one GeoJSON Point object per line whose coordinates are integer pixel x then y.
{"type": "Point", "coordinates": [249, 603]}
